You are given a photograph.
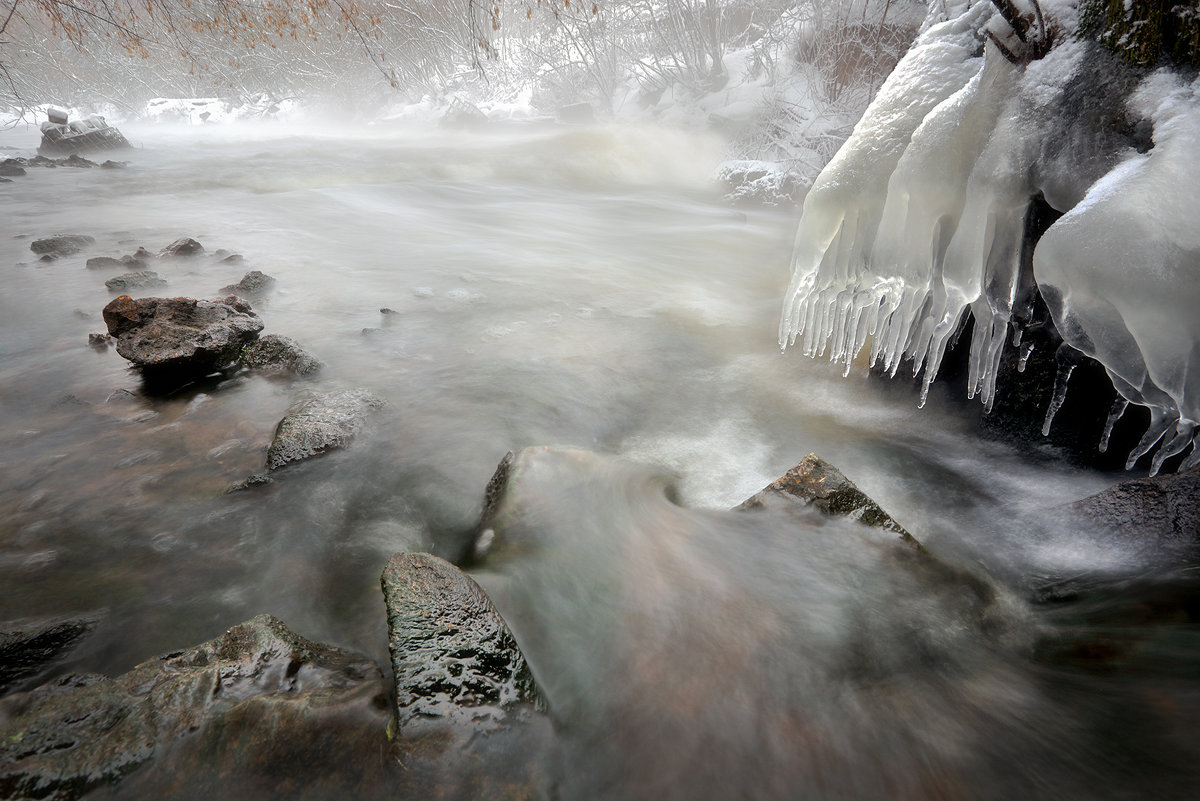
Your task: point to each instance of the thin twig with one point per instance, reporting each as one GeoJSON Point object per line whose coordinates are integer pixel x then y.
{"type": "Point", "coordinates": [8, 19]}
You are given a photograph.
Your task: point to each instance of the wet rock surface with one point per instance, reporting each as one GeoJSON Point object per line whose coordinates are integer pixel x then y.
{"type": "Point", "coordinates": [142, 279]}
{"type": "Point", "coordinates": [255, 693]}
{"type": "Point", "coordinates": [28, 647]}
{"type": "Point", "coordinates": [181, 335]}
{"type": "Point", "coordinates": [61, 244]}
{"type": "Point", "coordinates": [453, 656]}
{"type": "Point", "coordinates": [253, 283]}
{"type": "Point", "coordinates": [816, 482]}
{"type": "Point", "coordinates": [319, 423]}
{"type": "Point", "coordinates": [185, 246]}
{"type": "Point", "coordinates": [280, 355]}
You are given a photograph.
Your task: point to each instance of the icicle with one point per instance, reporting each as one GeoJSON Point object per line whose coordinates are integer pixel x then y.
{"type": "Point", "coordinates": [1026, 351]}
{"type": "Point", "coordinates": [1173, 446]}
{"type": "Point", "coordinates": [1118, 411]}
{"type": "Point", "coordinates": [1160, 421]}
{"type": "Point", "coordinates": [1060, 394]}
{"type": "Point", "coordinates": [1193, 458]}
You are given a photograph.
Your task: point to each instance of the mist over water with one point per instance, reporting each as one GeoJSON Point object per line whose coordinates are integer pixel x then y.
{"type": "Point", "coordinates": [584, 288]}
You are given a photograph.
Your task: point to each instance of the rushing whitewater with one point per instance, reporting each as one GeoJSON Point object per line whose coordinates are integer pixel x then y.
{"type": "Point", "coordinates": [922, 217]}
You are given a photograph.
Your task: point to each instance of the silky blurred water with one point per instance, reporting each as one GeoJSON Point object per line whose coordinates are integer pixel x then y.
{"type": "Point", "coordinates": [577, 287]}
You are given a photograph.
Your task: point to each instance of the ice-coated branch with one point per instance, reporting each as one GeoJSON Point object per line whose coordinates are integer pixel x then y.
{"type": "Point", "coordinates": [1037, 42]}
{"type": "Point", "coordinates": [1018, 23]}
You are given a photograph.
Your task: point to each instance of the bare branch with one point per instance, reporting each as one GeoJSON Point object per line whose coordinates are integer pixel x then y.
{"type": "Point", "coordinates": [8, 19]}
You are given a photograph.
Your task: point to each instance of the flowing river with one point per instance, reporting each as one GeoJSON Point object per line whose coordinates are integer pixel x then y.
{"type": "Point", "coordinates": [585, 288]}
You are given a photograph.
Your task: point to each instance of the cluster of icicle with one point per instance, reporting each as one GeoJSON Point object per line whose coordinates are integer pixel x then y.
{"type": "Point", "coordinates": [920, 218]}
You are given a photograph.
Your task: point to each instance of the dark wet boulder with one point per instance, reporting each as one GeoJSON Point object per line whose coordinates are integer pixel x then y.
{"type": "Point", "coordinates": [818, 483]}
{"type": "Point", "coordinates": [61, 244]}
{"type": "Point", "coordinates": [453, 656]}
{"type": "Point", "coordinates": [318, 423]}
{"type": "Point", "coordinates": [246, 699]}
{"type": "Point", "coordinates": [114, 165]}
{"type": "Point", "coordinates": [182, 335]}
{"type": "Point", "coordinates": [28, 647]}
{"type": "Point", "coordinates": [76, 160]}
{"type": "Point", "coordinates": [11, 168]}
{"type": "Point", "coordinates": [279, 355]}
{"type": "Point", "coordinates": [253, 283]}
{"type": "Point", "coordinates": [1161, 514]}
{"type": "Point", "coordinates": [182, 247]}
{"type": "Point", "coordinates": [141, 279]}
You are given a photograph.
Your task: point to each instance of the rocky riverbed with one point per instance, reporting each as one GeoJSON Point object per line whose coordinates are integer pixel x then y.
{"type": "Point", "coordinates": [590, 619]}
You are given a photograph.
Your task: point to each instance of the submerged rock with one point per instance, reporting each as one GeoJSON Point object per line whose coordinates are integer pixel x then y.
{"type": "Point", "coordinates": [275, 354]}
{"type": "Point", "coordinates": [258, 692]}
{"type": "Point", "coordinates": [718, 654]}
{"type": "Point", "coordinates": [28, 647]}
{"type": "Point", "coordinates": [453, 656]}
{"type": "Point", "coordinates": [182, 335]}
{"type": "Point", "coordinates": [104, 263]}
{"type": "Point", "coordinates": [142, 279]}
{"type": "Point", "coordinates": [61, 244]}
{"type": "Point", "coordinates": [249, 482]}
{"type": "Point", "coordinates": [137, 262]}
{"type": "Point", "coordinates": [320, 423]}
{"type": "Point", "coordinates": [818, 483]}
{"type": "Point", "coordinates": [1160, 513]}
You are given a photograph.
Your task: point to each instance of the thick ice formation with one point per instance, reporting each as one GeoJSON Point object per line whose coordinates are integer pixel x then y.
{"type": "Point", "coordinates": [922, 215]}
{"type": "Point", "coordinates": [1121, 270]}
